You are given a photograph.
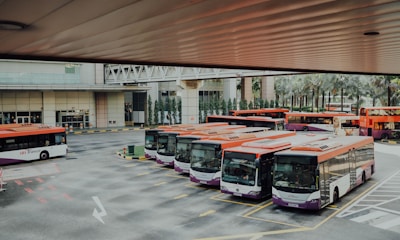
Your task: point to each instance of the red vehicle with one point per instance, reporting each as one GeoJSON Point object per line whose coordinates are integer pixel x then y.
{"type": "Point", "coordinates": [380, 122]}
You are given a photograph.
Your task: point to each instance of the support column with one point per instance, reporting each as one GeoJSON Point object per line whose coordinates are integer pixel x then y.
{"type": "Point", "coordinates": [229, 89]}
{"type": "Point", "coordinates": [247, 89]}
{"type": "Point", "coordinates": [189, 92]}
{"type": "Point", "coordinates": [267, 88]}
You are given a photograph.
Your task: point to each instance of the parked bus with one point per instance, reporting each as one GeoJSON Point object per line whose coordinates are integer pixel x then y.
{"type": "Point", "coordinates": [265, 112]}
{"type": "Point", "coordinates": [380, 122]}
{"type": "Point", "coordinates": [346, 125]}
{"type": "Point", "coordinates": [257, 121]}
{"type": "Point", "coordinates": [311, 121]}
{"type": "Point", "coordinates": [184, 143]}
{"type": "Point", "coordinates": [151, 136]}
{"type": "Point", "coordinates": [166, 141]}
{"type": "Point", "coordinates": [28, 142]}
{"type": "Point", "coordinates": [316, 174]}
{"type": "Point", "coordinates": [205, 157]}
{"type": "Point", "coordinates": [339, 107]}
{"type": "Point", "coordinates": [246, 169]}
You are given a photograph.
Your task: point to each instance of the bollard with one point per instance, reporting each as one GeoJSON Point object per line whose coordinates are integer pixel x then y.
{"type": "Point", "coordinates": [71, 128]}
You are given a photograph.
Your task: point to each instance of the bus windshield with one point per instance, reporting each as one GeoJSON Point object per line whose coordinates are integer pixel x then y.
{"type": "Point", "coordinates": [239, 168]}
{"type": "Point", "coordinates": [150, 142]}
{"type": "Point", "coordinates": [166, 145]}
{"type": "Point", "coordinates": [295, 173]}
{"type": "Point", "coordinates": [183, 147]}
{"type": "Point", "coordinates": [206, 157]}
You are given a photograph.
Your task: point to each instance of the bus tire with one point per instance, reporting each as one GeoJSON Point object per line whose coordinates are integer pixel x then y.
{"type": "Point", "coordinates": [363, 178]}
{"type": "Point", "coordinates": [44, 155]}
{"type": "Point", "coordinates": [384, 136]}
{"type": "Point", "coordinates": [336, 195]}
{"type": "Point", "coordinates": [305, 129]}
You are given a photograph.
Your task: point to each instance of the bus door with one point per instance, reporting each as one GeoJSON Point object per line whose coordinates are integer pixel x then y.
{"type": "Point", "coordinates": [352, 162]}
{"type": "Point", "coordinates": [324, 183]}
{"type": "Point", "coordinates": [265, 174]}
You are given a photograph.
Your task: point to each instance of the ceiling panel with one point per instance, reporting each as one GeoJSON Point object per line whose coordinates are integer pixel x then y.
{"type": "Point", "coordinates": [315, 35]}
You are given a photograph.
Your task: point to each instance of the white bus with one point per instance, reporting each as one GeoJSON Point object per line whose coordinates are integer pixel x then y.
{"type": "Point", "coordinates": [339, 107]}
{"type": "Point", "coordinates": [28, 142]}
{"type": "Point", "coordinates": [246, 169]}
{"type": "Point", "coordinates": [314, 175]}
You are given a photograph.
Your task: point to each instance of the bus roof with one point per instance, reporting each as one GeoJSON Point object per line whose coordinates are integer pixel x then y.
{"type": "Point", "coordinates": [317, 114]}
{"type": "Point", "coordinates": [272, 145]}
{"type": "Point", "coordinates": [17, 130]}
{"type": "Point", "coordinates": [246, 136]}
{"type": "Point", "coordinates": [326, 149]}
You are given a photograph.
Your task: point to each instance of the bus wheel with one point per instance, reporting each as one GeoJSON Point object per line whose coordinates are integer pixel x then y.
{"type": "Point", "coordinates": [363, 178]}
{"type": "Point", "coordinates": [336, 195]}
{"type": "Point", "coordinates": [44, 155]}
{"type": "Point", "coordinates": [385, 136]}
{"type": "Point", "coordinates": [305, 129]}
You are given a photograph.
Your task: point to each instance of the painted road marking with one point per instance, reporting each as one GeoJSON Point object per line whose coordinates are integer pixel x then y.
{"type": "Point", "coordinates": [142, 174]}
{"type": "Point", "coordinates": [209, 212]}
{"type": "Point", "coordinates": [160, 183]}
{"type": "Point", "coordinates": [180, 196]}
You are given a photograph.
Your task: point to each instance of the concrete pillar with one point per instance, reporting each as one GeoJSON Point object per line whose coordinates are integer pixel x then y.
{"type": "Point", "coordinates": [49, 108]}
{"type": "Point", "coordinates": [267, 88]}
{"type": "Point", "coordinates": [247, 89]}
{"type": "Point", "coordinates": [229, 89]}
{"type": "Point", "coordinates": [189, 92]}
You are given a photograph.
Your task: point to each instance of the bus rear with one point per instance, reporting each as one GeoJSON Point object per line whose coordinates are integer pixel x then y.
{"type": "Point", "coordinates": [316, 174]}
{"type": "Point", "coordinates": [206, 155]}
{"type": "Point", "coordinates": [246, 170]}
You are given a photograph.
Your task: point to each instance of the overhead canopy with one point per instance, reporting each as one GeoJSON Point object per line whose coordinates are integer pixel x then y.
{"type": "Point", "coordinates": [316, 35]}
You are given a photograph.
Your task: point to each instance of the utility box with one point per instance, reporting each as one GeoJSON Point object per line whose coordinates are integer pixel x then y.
{"type": "Point", "coordinates": [131, 149]}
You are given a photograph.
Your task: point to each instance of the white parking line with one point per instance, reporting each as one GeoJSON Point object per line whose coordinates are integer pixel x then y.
{"type": "Point", "coordinates": [372, 215]}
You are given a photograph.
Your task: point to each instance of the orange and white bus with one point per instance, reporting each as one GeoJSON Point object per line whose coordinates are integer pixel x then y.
{"type": "Point", "coordinates": [265, 112]}
{"type": "Point", "coordinates": [311, 121]}
{"type": "Point", "coordinates": [316, 174]}
{"type": "Point", "coordinates": [380, 122]}
{"type": "Point", "coordinates": [151, 136]}
{"type": "Point", "coordinates": [27, 142]}
{"type": "Point", "coordinates": [206, 155]}
{"type": "Point", "coordinates": [346, 125]}
{"type": "Point", "coordinates": [253, 121]}
{"type": "Point", "coordinates": [166, 140]}
{"type": "Point", "coordinates": [246, 169]}
{"type": "Point", "coordinates": [184, 142]}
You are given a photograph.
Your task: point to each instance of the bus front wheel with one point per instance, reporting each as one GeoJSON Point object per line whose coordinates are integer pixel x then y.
{"type": "Point", "coordinates": [305, 128]}
{"type": "Point", "coordinates": [44, 155]}
{"type": "Point", "coordinates": [336, 195]}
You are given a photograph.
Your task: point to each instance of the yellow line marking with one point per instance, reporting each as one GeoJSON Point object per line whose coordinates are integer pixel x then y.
{"type": "Point", "coordinates": [216, 198]}
{"type": "Point", "coordinates": [142, 174]}
{"type": "Point", "coordinates": [258, 235]}
{"type": "Point", "coordinates": [180, 196]}
{"type": "Point", "coordinates": [160, 183]}
{"type": "Point", "coordinates": [130, 165]}
{"type": "Point", "coordinates": [207, 213]}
